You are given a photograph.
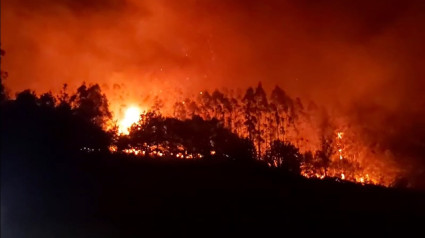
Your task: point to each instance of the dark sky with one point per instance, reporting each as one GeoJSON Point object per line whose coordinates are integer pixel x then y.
{"type": "Point", "coordinates": [364, 58]}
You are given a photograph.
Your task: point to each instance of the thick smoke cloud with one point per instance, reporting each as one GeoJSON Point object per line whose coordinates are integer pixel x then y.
{"type": "Point", "coordinates": [362, 58]}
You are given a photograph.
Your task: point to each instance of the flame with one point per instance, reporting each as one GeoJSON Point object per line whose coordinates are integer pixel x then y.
{"type": "Point", "coordinates": [113, 148]}
{"type": "Point", "coordinates": [339, 144]}
{"type": "Point", "coordinates": [132, 115]}
{"type": "Point", "coordinates": [350, 159]}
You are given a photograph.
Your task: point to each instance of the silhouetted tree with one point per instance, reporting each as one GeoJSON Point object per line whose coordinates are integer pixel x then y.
{"type": "Point", "coordinates": [47, 100]}
{"type": "Point", "coordinates": [26, 98]}
{"type": "Point", "coordinates": [192, 108]}
{"type": "Point", "coordinates": [205, 104]}
{"type": "Point", "coordinates": [282, 104]}
{"type": "Point", "coordinates": [249, 111]}
{"type": "Point", "coordinates": [91, 104]}
{"type": "Point", "coordinates": [323, 156]}
{"type": "Point", "coordinates": [179, 110]}
{"type": "Point", "coordinates": [285, 155]}
{"type": "Point", "coordinates": [196, 136]}
{"type": "Point", "coordinates": [222, 106]}
{"type": "Point", "coordinates": [148, 132]}
{"type": "Point", "coordinates": [158, 104]}
{"type": "Point", "coordinates": [261, 109]}
{"type": "Point", "coordinates": [235, 116]}
{"type": "Point", "coordinates": [3, 76]}
{"type": "Point", "coordinates": [51, 125]}
{"type": "Point", "coordinates": [64, 99]}
{"type": "Point", "coordinates": [308, 162]}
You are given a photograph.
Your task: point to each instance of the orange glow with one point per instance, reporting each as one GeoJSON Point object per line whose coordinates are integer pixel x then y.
{"type": "Point", "coordinates": [132, 115]}
{"type": "Point", "coordinates": [151, 50]}
{"type": "Point", "coordinates": [113, 148]}
{"type": "Point", "coordinates": [339, 144]}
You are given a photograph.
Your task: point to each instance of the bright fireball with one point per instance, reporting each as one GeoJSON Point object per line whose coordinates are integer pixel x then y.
{"type": "Point", "coordinates": [131, 116]}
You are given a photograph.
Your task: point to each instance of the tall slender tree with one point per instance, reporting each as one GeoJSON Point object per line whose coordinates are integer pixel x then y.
{"type": "Point", "coordinates": [261, 109]}
{"type": "Point", "coordinates": [250, 120]}
{"type": "Point", "coordinates": [283, 103]}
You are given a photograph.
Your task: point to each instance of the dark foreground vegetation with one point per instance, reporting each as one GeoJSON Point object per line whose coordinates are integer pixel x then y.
{"type": "Point", "coordinates": [53, 186]}
{"type": "Point", "coordinates": [50, 188]}
{"type": "Point", "coordinates": [103, 195]}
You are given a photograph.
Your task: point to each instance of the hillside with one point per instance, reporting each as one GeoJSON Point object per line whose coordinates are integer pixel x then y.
{"type": "Point", "coordinates": [104, 195]}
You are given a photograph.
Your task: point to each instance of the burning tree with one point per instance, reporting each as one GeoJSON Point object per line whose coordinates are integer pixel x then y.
{"type": "Point", "coordinates": [284, 155]}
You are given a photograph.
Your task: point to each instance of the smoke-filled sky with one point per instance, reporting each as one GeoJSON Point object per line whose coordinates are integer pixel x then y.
{"type": "Point", "coordinates": [320, 49]}
{"type": "Point", "coordinates": [368, 56]}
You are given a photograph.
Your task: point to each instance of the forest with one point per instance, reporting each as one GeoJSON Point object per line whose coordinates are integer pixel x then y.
{"type": "Point", "coordinates": [165, 118]}
{"type": "Point", "coordinates": [279, 134]}
{"type": "Point", "coordinates": [229, 164]}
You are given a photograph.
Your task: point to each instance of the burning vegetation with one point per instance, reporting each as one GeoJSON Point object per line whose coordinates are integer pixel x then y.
{"type": "Point", "coordinates": [280, 131]}
{"type": "Point", "coordinates": [273, 115]}
{"type": "Point", "coordinates": [277, 130]}
{"type": "Point", "coordinates": [363, 69]}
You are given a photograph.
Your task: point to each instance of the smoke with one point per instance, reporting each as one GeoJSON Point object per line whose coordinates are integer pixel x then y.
{"type": "Point", "coordinates": [363, 59]}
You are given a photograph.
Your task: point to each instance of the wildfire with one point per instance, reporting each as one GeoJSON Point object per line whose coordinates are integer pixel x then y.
{"type": "Point", "coordinates": [132, 115]}
{"type": "Point", "coordinates": [348, 159]}
{"type": "Point", "coordinates": [339, 137]}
